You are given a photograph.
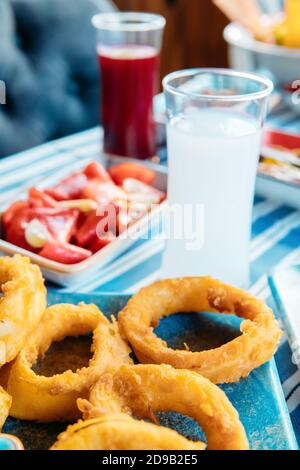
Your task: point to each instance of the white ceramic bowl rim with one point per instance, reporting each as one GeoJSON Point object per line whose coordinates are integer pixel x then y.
{"type": "Point", "coordinates": [237, 36]}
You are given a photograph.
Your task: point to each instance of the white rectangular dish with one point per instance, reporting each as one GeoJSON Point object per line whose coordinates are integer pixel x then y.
{"type": "Point", "coordinates": [279, 178]}
{"type": "Point", "coordinates": [70, 275]}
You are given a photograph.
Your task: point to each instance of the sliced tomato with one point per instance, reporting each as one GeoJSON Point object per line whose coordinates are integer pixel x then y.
{"type": "Point", "coordinates": [61, 223]}
{"type": "Point", "coordinates": [39, 198]}
{"type": "Point", "coordinates": [125, 170]}
{"type": "Point", "coordinates": [102, 242]}
{"type": "Point", "coordinates": [9, 214]}
{"type": "Point", "coordinates": [86, 233]}
{"type": "Point", "coordinates": [96, 225]}
{"type": "Point", "coordinates": [104, 193]}
{"type": "Point", "coordinates": [69, 188]}
{"type": "Point", "coordinates": [95, 170]}
{"type": "Point", "coordinates": [64, 253]}
{"type": "Point", "coordinates": [15, 232]}
{"type": "Point", "coordinates": [133, 186]}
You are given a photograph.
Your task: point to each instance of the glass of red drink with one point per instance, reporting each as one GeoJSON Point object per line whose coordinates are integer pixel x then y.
{"type": "Point", "coordinates": [128, 51]}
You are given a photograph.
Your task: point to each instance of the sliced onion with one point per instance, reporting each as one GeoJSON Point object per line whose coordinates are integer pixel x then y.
{"type": "Point", "coordinates": [36, 234]}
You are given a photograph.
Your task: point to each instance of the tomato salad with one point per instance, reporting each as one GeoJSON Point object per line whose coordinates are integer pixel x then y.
{"type": "Point", "coordinates": [83, 213]}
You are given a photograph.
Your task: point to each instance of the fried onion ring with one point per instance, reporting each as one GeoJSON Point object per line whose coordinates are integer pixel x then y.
{"type": "Point", "coordinates": [22, 305]}
{"type": "Point", "coordinates": [121, 432]}
{"type": "Point", "coordinates": [5, 403]}
{"type": "Point", "coordinates": [228, 363]}
{"type": "Point", "coordinates": [45, 399]}
{"type": "Point", "coordinates": [143, 390]}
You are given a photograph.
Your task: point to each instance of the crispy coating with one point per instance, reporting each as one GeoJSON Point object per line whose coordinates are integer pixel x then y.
{"type": "Point", "coordinates": [54, 398]}
{"type": "Point", "coordinates": [228, 363]}
{"type": "Point", "coordinates": [5, 403]}
{"type": "Point", "coordinates": [22, 305]}
{"type": "Point", "coordinates": [143, 390]}
{"type": "Point", "coordinates": [121, 432]}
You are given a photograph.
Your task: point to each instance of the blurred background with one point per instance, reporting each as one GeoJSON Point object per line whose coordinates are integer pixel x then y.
{"type": "Point", "coordinates": [194, 32]}
{"type": "Point", "coordinates": [49, 67]}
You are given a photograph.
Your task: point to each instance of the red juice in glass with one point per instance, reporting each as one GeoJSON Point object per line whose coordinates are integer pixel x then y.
{"type": "Point", "coordinates": [129, 75]}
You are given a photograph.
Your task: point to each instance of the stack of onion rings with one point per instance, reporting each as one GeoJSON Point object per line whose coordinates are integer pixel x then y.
{"type": "Point", "coordinates": [111, 390]}
{"type": "Point", "coordinates": [121, 432]}
{"type": "Point", "coordinates": [54, 398]}
{"type": "Point", "coordinates": [228, 363]}
{"type": "Point", "coordinates": [143, 390]}
{"type": "Point", "coordinates": [22, 305]}
{"type": "Point", "coordinates": [5, 404]}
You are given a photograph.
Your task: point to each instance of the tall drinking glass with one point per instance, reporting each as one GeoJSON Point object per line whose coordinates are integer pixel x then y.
{"type": "Point", "coordinates": [215, 120]}
{"type": "Point", "coordinates": [129, 45]}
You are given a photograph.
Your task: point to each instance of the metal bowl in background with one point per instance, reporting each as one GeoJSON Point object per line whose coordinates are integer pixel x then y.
{"type": "Point", "coordinates": [282, 64]}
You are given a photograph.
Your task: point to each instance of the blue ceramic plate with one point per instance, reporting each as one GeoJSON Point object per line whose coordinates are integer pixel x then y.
{"type": "Point", "coordinates": [258, 399]}
{"type": "Point", "coordinates": [285, 286]}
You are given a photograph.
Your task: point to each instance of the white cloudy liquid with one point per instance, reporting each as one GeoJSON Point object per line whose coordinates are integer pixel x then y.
{"type": "Point", "coordinates": [213, 157]}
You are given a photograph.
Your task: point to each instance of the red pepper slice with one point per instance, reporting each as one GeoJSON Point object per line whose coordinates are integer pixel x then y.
{"type": "Point", "coordinates": [39, 198]}
{"type": "Point", "coordinates": [102, 242]}
{"type": "Point", "coordinates": [69, 188]}
{"type": "Point", "coordinates": [125, 170]}
{"type": "Point", "coordinates": [15, 232]}
{"type": "Point", "coordinates": [90, 230]}
{"type": "Point", "coordinates": [95, 170]}
{"type": "Point", "coordinates": [60, 223]}
{"type": "Point", "coordinates": [9, 214]}
{"type": "Point", "coordinates": [64, 253]}
{"type": "Point", "coordinates": [104, 193]}
{"type": "Point", "coordinates": [142, 188]}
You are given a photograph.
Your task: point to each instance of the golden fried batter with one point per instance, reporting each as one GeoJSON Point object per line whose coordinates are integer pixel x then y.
{"type": "Point", "coordinates": [121, 432]}
{"type": "Point", "coordinates": [228, 363]}
{"type": "Point", "coordinates": [143, 390]}
{"type": "Point", "coordinates": [53, 398]}
{"type": "Point", "coordinates": [5, 403]}
{"type": "Point", "coordinates": [22, 305]}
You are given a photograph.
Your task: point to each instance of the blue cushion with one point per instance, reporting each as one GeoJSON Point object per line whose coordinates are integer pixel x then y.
{"type": "Point", "coordinates": [49, 66]}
